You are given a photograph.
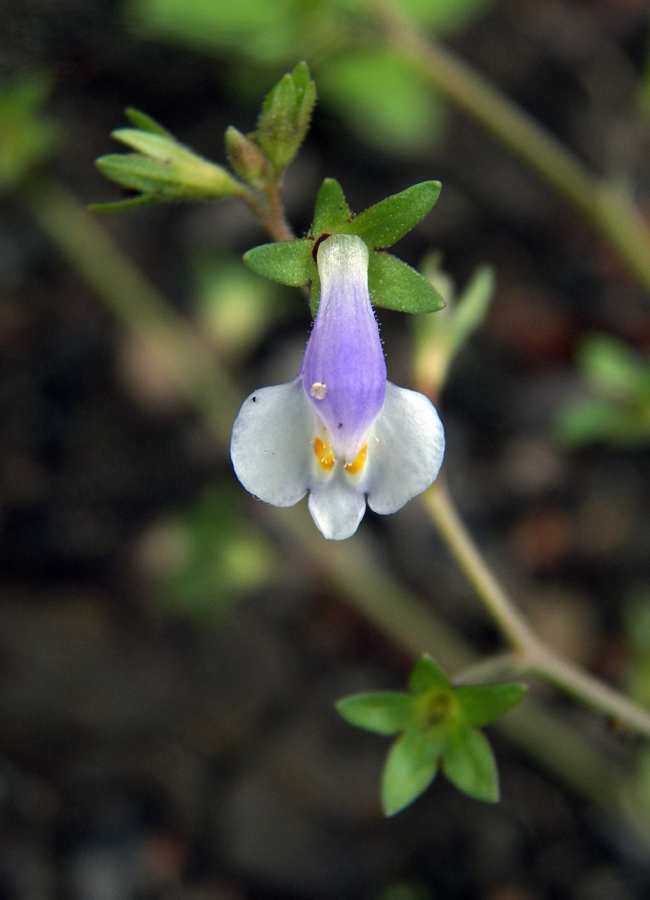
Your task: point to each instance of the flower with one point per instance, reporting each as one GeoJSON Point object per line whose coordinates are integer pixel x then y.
{"type": "Point", "coordinates": [339, 430]}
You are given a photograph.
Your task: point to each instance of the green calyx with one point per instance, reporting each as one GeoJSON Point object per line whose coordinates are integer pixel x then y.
{"type": "Point", "coordinates": [438, 727]}
{"type": "Point", "coordinates": [392, 283]}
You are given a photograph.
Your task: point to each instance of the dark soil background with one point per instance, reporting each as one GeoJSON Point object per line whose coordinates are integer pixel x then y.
{"type": "Point", "coordinates": [145, 754]}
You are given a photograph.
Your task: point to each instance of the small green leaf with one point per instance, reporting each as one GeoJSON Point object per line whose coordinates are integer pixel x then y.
{"type": "Point", "coordinates": [289, 262]}
{"type": "Point", "coordinates": [382, 712]}
{"type": "Point", "coordinates": [383, 224]}
{"type": "Point", "coordinates": [157, 146]}
{"type": "Point", "coordinates": [468, 762]}
{"type": "Point", "coordinates": [483, 703]}
{"type": "Point", "coordinates": [285, 117]}
{"type": "Point", "coordinates": [136, 172]}
{"type": "Point", "coordinates": [395, 285]}
{"type": "Point", "coordinates": [145, 123]}
{"type": "Point", "coordinates": [426, 675]}
{"type": "Point", "coordinates": [472, 307]}
{"type": "Point", "coordinates": [410, 768]}
{"type": "Point", "coordinates": [332, 212]}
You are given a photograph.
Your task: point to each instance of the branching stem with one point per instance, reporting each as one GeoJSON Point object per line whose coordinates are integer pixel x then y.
{"type": "Point", "coordinates": [531, 655]}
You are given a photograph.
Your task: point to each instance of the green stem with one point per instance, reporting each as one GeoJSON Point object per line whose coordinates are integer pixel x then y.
{"type": "Point", "coordinates": [269, 209]}
{"type": "Point", "coordinates": [277, 225]}
{"type": "Point", "coordinates": [608, 208]}
{"type": "Point", "coordinates": [509, 620]}
{"type": "Point", "coordinates": [501, 667]}
{"type": "Point", "coordinates": [531, 655]}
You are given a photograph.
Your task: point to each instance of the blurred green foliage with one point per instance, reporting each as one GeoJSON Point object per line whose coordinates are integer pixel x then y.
{"type": "Point", "coordinates": [383, 98]}
{"type": "Point", "coordinates": [637, 630]}
{"type": "Point", "coordinates": [204, 560]}
{"type": "Point", "coordinates": [379, 93]}
{"type": "Point", "coordinates": [27, 137]}
{"type": "Point", "coordinates": [233, 307]}
{"type": "Point", "coordinates": [618, 412]}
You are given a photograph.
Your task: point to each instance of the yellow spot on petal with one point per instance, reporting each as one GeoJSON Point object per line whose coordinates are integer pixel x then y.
{"type": "Point", "coordinates": [318, 390]}
{"type": "Point", "coordinates": [324, 454]}
{"type": "Point", "coordinates": [358, 464]}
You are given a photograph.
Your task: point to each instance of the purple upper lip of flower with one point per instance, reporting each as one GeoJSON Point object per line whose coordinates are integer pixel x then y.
{"type": "Point", "coordinates": [343, 369]}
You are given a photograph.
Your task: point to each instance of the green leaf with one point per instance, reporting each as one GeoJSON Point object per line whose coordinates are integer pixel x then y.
{"type": "Point", "coordinates": [285, 117]}
{"type": "Point", "coordinates": [426, 675]}
{"type": "Point", "coordinates": [383, 98]}
{"type": "Point", "coordinates": [136, 172]}
{"type": "Point", "coordinates": [395, 285]}
{"type": "Point", "coordinates": [472, 308]}
{"type": "Point", "coordinates": [145, 123]}
{"type": "Point", "coordinates": [383, 224]}
{"type": "Point", "coordinates": [157, 146]}
{"type": "Point", "coordinates": [331, 213]}
{"type": "Point", "coordinates": [289, 262]}
{"type": "Point", "coordinates": [382, 712]}
{"type": "Point", "coordinates": [483, 703]}
{"type": "Point", "coordinates": [468, 762]}
{"type": "Point", "coordinates": [410, 768]}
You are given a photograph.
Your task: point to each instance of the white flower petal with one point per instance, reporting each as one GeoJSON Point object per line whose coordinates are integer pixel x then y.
{"type": "Point", "coordinates": [272, 443]}
{"type": "Point", "coordinates": [407, 447]}
{"type": "Point", "coordinates": [337, 507]}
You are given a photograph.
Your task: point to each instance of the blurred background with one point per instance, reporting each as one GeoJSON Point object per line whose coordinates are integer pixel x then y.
{"type": "Point", "coordinates": [169, 655]}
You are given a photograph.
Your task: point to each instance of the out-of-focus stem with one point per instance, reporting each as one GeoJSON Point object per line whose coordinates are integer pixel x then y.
{"type": "Point", "coordinates": [188, 362]}
{"type": "Point", "coordinates": [607, 207]}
